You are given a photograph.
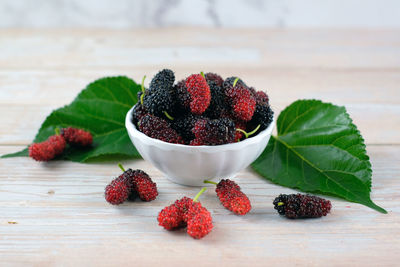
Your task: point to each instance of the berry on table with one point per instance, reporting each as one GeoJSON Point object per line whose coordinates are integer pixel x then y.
{"type": "Point", "coordinates": [145, 188]}
{"type": "Point", "coordinates": [117, 192]}
{"type": "Point", "coordinates": [187, 212]}
{"type": "Point", "coordinates": [129, 185]}
{"type": "Point", "coordinates": [231, 196]}
{"type": "Point", "coordinates": [295, 206]}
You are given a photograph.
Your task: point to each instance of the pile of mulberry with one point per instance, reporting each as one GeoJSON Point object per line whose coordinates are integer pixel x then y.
{"type": "Point", "coordinates": [203, 109]}
{"type": "Point", "coordinates": [295, 206]}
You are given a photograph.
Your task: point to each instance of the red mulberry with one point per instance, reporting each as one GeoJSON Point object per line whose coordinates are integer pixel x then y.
{"type": "Point", "coordinates": [232, 197]}
{"type": "Point", "coordinates": [48, 149]}
{"type": "Point", "coordinates": [240, 98]}
{"type": "Point", "coordinates": [77, 137]}
{"type": "Point", "coordinates": [200, 95]}
{"type": "Point", "coordinates": [187, 212]}
{"type": "Point", "coordinates": [144, 186]}
{"type": "Point", "coordinates": [199, 221]}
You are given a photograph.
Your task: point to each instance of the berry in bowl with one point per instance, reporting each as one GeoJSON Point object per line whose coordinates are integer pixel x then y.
{"type": "Point", "coordinates": [202, 127]}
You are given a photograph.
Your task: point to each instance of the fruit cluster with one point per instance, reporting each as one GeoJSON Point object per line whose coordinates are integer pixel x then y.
{"type": "Point", "coordinates": [203, 109]}
{"type": "Point", "coordinates": [187, 212]}
{"type": "Point", "coordinates": [191, 214]}
{"type": "Point", "coordinates": [130, 185]}
{"type": "Point", "coordinates": [56, 144]}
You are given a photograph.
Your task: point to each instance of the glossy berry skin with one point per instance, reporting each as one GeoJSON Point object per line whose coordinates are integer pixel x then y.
{"type": "Point", "coordinates": [77, 137]}
{"type": "Point", "coordinates": [160, 97]}
{"type": "Point", "coordinates": [48, 149]}
{"type": "Point", "coordinates": [175, 215]}
{"type": "Point", "coordinates": [217, 103]}
{"type": "Point", "coordinates": [240, 99]}
{"type": "Point", "coordinates": [159, 128]}
{"type": "Point", "coordinates": [117, 192]}
{"type": "Point", "coordinates": [199, 221]}
{"type": "Point", "coordinates": [262, 98]}
{"type": "Point", "coordinates": [295, 206]}
{"type": "Point", "coordinates": [232, 198]}
{"type": "Point", "coordinates": [144, 186]}
{"type": "Point", "coordinates": [58, 143]}
{"type": "Point", "coordinates": [263, 116]}
{"type": "Point", "coordinates": [121, 188]}
{"type": "Point", "coordinates": [239, 125]}
{"type": "Point", "coordinates": [184, 124]}
{"type": "Point", "coordinates": [170, 218]}
{"type": "Point", "coordinates": [200, 94]}
{"type": "Point", "coordinates": [184, 212]}
{"type": "Point", "coordinates": [41, 151]}
{"type": "Point", "coordinates": [214, 132]}
{"type": "Point", "coordinates": [137, 113]}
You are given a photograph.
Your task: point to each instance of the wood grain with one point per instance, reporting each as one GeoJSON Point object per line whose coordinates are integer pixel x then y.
{"type": "Point", "coordinates": [54, 214]}
{"type": "Point", "coordinates": [61, 215]}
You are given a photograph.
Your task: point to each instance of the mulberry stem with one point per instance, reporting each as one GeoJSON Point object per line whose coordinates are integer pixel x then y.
{"type": "Point", "coordinates": [235, 81]}
{"type": "Point", "coordinates": [199, 194]}
{"type": "Point", "coordinates": [202, 74]}
{"type": "Point", "coordinates": [246, 134]}
{"type": "Point", "coordinates": [209, 182]}
{"type": "Point", "coordinates": [141, 97]}
{"type": "Point", "coordinates": [168, 116]}
{"type": "Point", "coordinates": [57, 130]}
{"type": "Point", "coordinates": [121, 167]}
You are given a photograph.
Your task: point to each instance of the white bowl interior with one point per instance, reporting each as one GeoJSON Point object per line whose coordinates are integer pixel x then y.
{"type": "Point", "coordinates": [190, 165]}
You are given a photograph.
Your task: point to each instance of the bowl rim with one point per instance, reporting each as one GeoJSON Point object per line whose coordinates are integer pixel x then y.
{"type": "Point", "coordinates": [131, 128]}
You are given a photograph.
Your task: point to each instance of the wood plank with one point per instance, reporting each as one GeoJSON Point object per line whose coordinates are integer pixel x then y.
{"type": "Point", "coordinates": [82, 49]}
{"type": "Point", "coordinates": [62, 218]}
{"type": "Point", "coordinates": [283, 85]}
{"type": "Point", "coordinates": [378, 123]}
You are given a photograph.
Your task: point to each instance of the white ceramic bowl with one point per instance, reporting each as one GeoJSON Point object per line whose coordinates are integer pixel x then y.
{"type": "Point", "coordinates": [190, 165]}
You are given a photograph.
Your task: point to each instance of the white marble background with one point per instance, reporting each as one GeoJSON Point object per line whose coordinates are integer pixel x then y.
{"type": "Point", "coordinates": [217, 13]}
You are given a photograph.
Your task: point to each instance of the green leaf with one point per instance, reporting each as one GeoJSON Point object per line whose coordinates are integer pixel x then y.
{"type": "Point", "coordinates": [101, 109]}
{"type": "Point", "coordinates": [318, 149]}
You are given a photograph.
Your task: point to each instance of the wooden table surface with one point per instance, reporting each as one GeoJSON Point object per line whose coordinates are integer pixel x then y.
{"type": "Point", "coordinates": [60, 215]}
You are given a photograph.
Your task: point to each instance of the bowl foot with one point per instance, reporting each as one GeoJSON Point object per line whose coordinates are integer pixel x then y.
{"type": "Point", "coordinates": [194, 181]}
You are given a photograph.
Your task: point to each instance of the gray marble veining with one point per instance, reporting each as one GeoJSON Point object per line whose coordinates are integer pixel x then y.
{"type": "Point", "coordinates": [214, 13]}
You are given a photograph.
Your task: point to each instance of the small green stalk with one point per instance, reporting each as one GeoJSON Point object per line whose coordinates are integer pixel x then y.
{"type": "Point", "coordinates": [235, 81]}
{"type": "Point", "coordinates": [168, 116]}
{"type": "Point", "coordinates": [209, 182]}
{"type": "Point", "coordinates": [246, 134]}
{"type": "Point", "coordinates": [281, 203]}
{"type": "Point", "coordinates": [143, 90]}
{"type": "Point", "coordinates": [199, 194]}
{"type": "Point", "coordinates": [202, 74]}
{"type": "Point", "coordinates": [57, 131]}
{"type": "Point", "coordinates": [121, 167]}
